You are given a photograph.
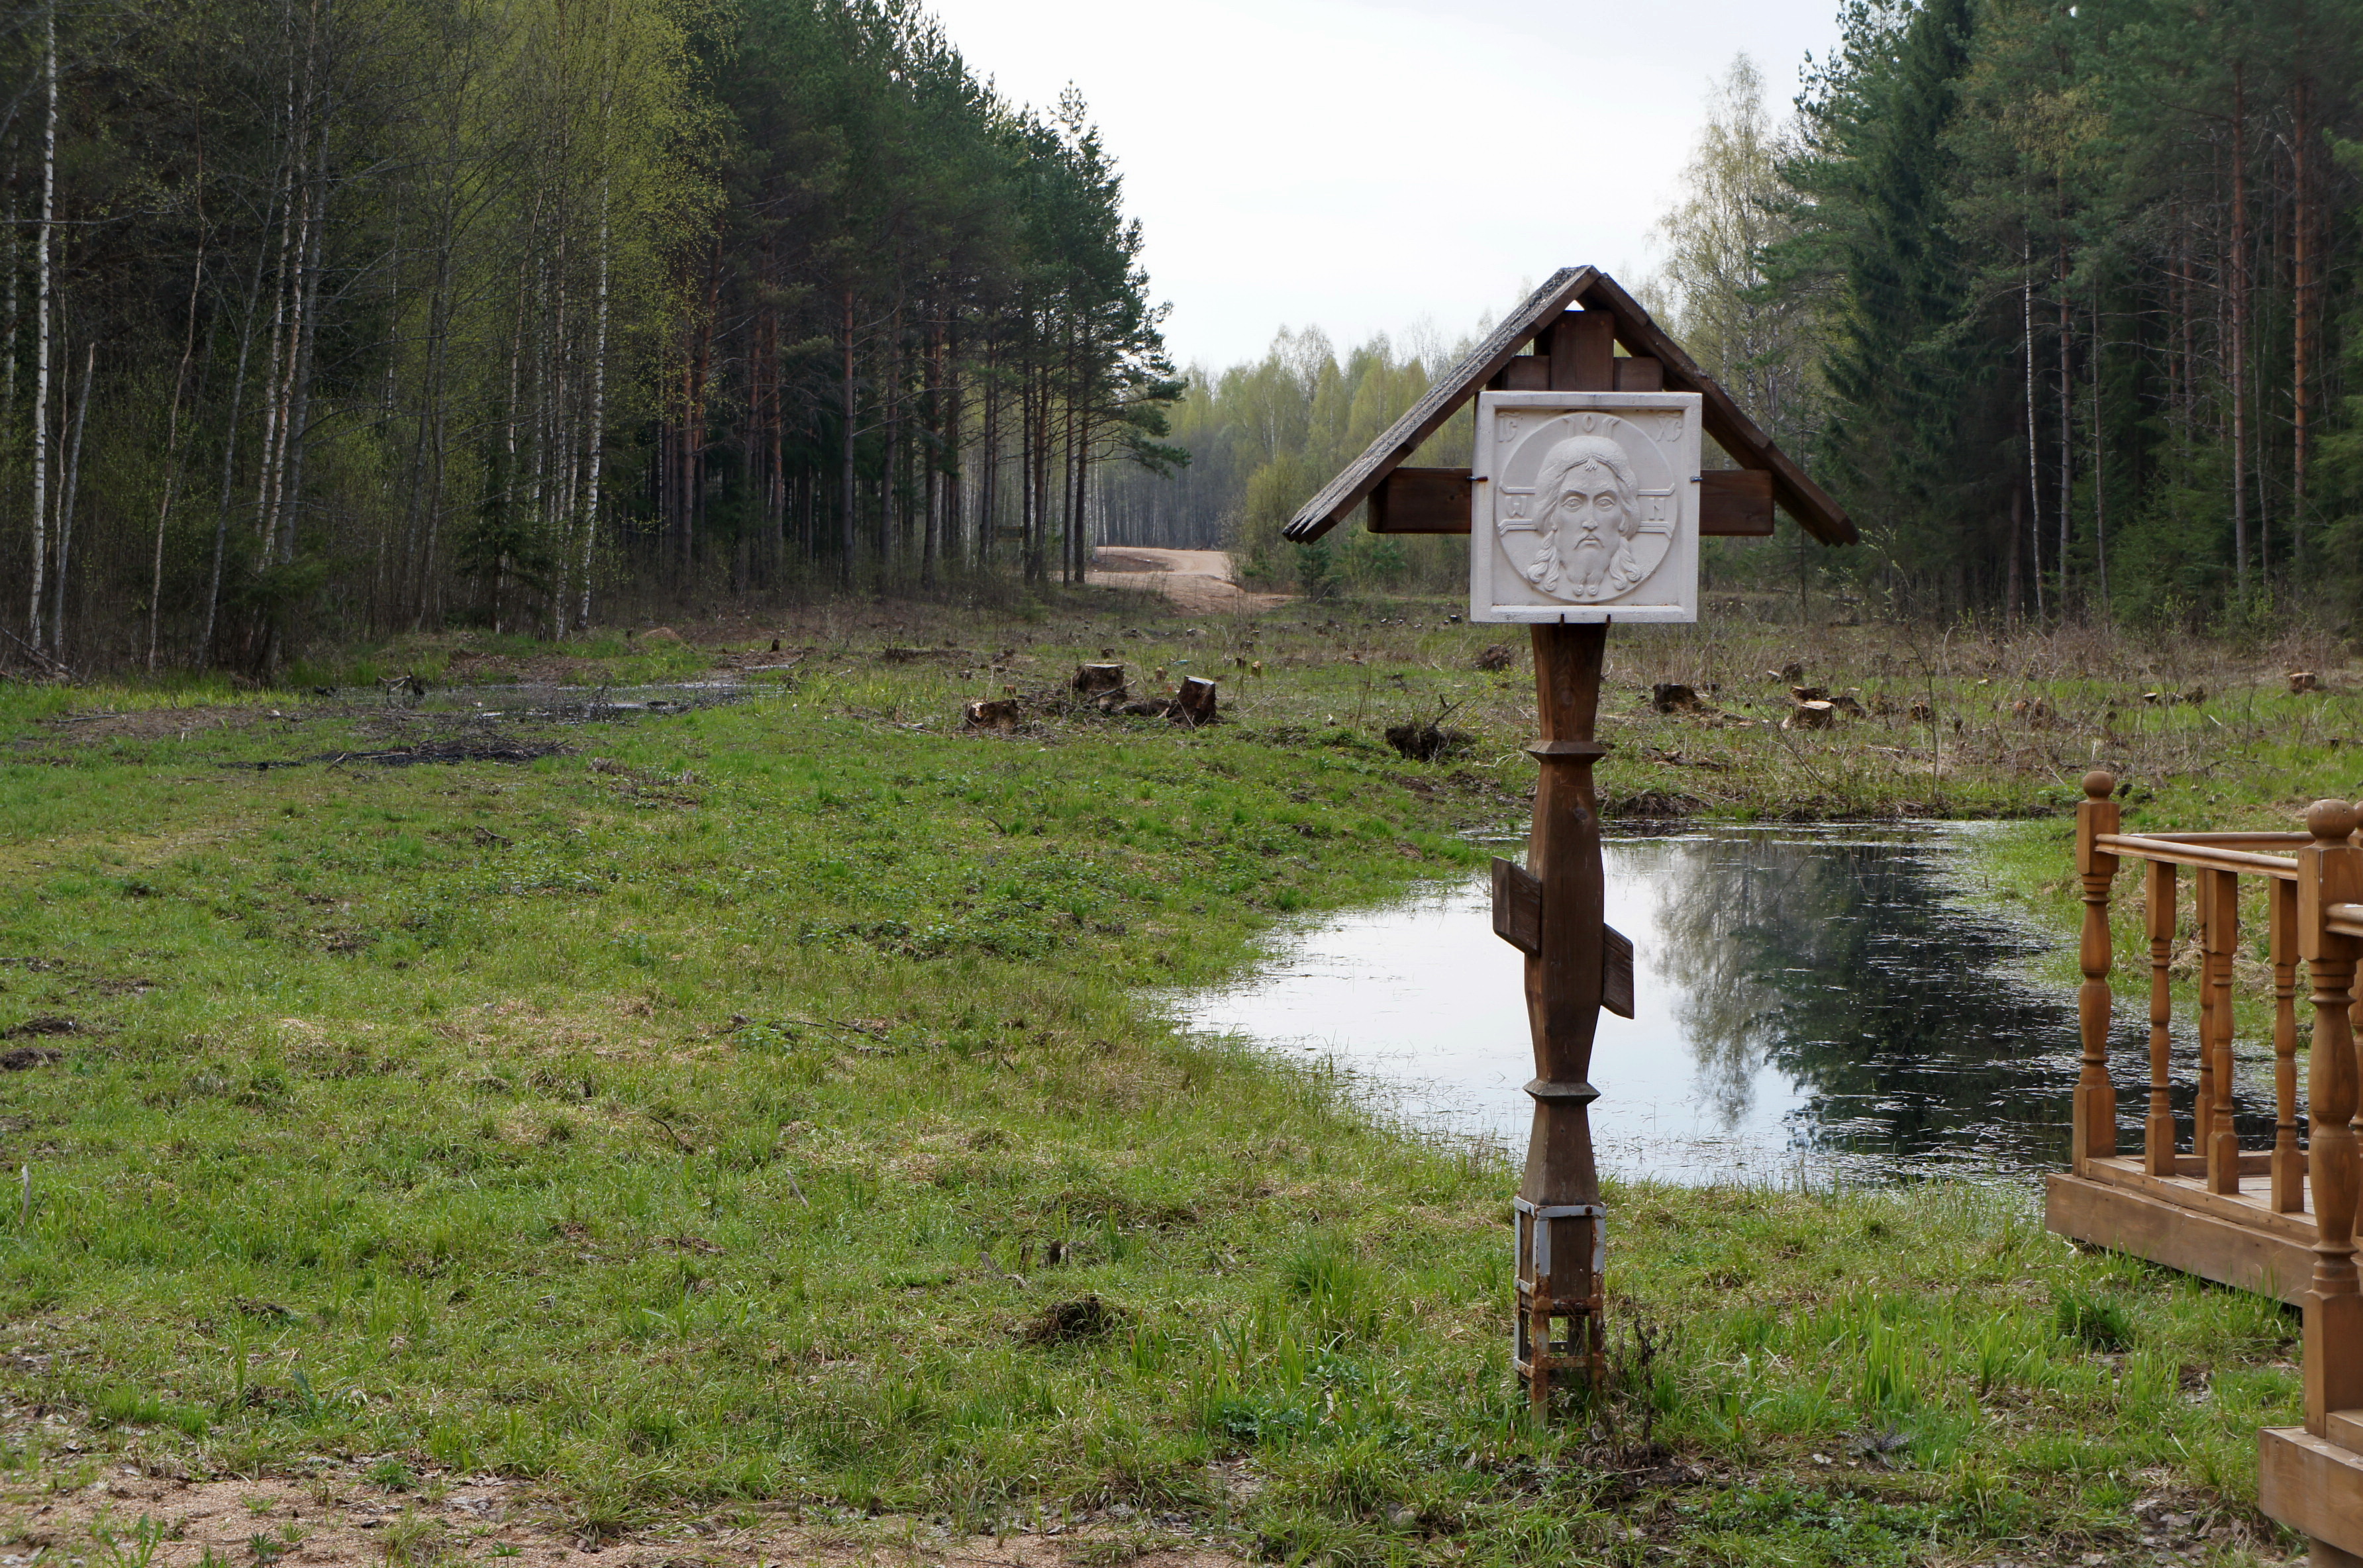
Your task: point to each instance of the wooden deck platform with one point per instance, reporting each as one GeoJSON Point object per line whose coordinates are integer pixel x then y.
{"type": "Point", "coordinates": [2233, 1238]}
{"type": "Point", "coordinates": [2279, 1221]}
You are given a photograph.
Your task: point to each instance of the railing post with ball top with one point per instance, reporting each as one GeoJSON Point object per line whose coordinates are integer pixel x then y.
{"type": "Point", "coordinates": [2330, 872]}
{"type": "Point", "coordinates": [2096, 1101]}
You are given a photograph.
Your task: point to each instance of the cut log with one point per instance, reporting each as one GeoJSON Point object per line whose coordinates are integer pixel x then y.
{"type": "Point", "coordinates": [1093, 679]}
{"type": "Point", "coordinates": [2304, 680]}
{"type": "Point", "coordinates": [1810, 717]}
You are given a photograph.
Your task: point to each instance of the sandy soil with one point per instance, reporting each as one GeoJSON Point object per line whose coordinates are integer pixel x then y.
{"type": "Point", "coordinates": [1198, 581]}
{"type": "Point", "coordinates": [340, 1519]}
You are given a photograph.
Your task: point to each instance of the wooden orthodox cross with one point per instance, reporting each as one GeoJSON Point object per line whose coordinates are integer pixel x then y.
{"type": "Point", "coordinates": [1535, 559]}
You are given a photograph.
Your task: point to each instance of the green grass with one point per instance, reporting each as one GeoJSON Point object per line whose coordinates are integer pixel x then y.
{"type": "Point", "coordinates": [689, 1117]}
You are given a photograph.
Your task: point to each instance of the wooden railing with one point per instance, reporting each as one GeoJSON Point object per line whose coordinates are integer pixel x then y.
{"type": "Point", "coordinates": [2217, 861]}
{"type": "Point", "coordinates": [2313, 893]}
{"type": "Point", "coordinates": [2190, 1209]}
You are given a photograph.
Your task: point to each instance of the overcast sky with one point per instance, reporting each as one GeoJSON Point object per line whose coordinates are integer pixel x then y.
{"type": "Point", "coordinates": [1375, 165]}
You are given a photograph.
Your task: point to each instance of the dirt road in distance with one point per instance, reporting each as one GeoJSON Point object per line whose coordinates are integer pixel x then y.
{"type": "Point", "coordinates": [1198, 581]}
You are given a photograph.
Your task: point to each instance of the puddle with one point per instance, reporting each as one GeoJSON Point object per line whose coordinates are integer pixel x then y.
{"type": "Point", "coordinates": [1820, 1003]}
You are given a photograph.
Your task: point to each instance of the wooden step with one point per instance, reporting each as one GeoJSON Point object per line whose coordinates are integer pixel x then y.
{"type": "Point", "coordinates": [2251, 1206]}
{"type": "Point", "coordinates": [2257, 1255]}
{"type": "Point", "coordinates": [2312, 1484]}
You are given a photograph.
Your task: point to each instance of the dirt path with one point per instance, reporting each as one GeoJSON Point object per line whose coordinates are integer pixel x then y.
{"type": "Point", "coordinates": [115, 1513]}
{"type": "Point", "coordinates": [1198, 581]}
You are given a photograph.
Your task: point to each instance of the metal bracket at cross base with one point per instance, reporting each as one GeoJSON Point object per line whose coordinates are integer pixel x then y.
{"type": "Point", "coordinates": [1562, 1254]}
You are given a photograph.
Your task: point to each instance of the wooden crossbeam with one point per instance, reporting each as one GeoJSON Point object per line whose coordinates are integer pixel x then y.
{"type": "Point", "coordinates": [1422, 501]}
{"type": "Point", "coordinates": [1734, 503]}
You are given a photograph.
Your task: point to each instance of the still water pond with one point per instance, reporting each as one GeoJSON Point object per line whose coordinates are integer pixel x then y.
{"type": "Point", "coordinates": [1822, 1002]}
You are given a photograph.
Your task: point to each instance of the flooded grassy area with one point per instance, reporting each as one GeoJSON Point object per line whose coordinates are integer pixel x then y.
{"type": "Point", "coordinates": [757, 1112]}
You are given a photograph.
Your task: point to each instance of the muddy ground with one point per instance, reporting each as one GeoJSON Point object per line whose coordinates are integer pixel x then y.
{"type": "Point", "coordinates": [118, 1516]}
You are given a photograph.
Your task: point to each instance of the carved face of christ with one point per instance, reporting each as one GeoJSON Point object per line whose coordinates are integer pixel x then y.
{"type": "Point", "coordinates": [1595, 505]}
{"type": "Point", "coordinates": [1588, 522]}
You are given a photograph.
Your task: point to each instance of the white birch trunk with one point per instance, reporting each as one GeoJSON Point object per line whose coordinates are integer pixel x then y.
{"type": "Point", "coordinates": [8, 355]}
{"type": "Point", "coordinates": [271, 384]}
{"type": "Point", "coordinates": [307, 333]}
{"type": "Point", "coordinates": [229, 452]}
{"type": "Point", "coordinates": [598, 434]}
{"type": "Point", "coordinates": [172, 431]}
{"type": "Point", "coordinates": [2033, 482]}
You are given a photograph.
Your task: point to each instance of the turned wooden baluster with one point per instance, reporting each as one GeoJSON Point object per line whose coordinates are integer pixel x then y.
{"type": "Point", "coordinates": [2330, 871]}
{"type": "Point", "coordinates": [2289, 1160]}
{"type": "Point", "coordinates": [2202, 1099]}
{"type": "Point", "coordinates": [2221, 890]}
{"type": "Point", "coordinates": [2158, 1133]}
{"type": "Point", "coordinates": [2095, 1135]}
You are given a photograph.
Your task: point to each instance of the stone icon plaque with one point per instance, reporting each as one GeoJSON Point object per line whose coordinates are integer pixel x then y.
{"type": "Point", "coordinates": [1586, 507]}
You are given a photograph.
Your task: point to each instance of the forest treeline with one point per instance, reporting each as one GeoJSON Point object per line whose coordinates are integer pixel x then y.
{"type": "Point", "coordinates": [2058, 298]}
{"type": "Point", "coordinates": [330, 317]}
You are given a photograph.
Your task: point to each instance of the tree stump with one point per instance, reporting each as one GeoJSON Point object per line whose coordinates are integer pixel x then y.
{"type": "Point", "coordinates": [1194, 703]}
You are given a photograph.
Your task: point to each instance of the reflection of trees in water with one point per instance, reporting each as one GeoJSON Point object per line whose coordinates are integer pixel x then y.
{"type": "Point", "coordinates": [1843, 964]}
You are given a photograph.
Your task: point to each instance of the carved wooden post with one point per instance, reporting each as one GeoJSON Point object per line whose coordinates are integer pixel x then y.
{"type": "Point", "coordinates": [1561, 1235]}
{"type": "Point", "coordinates": [2158, 1133]}
{"type": "Point", "coordinates": [1560, 1242]}
{"type": "Point", "coordinates": [2330, 871]}
{"type": "Point", "coordinates": [2219, 892]}
{"type": "Point", "coordinates": [2289, 1160]}
{"type": "Point", "coordinates": [2096, 1101]}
